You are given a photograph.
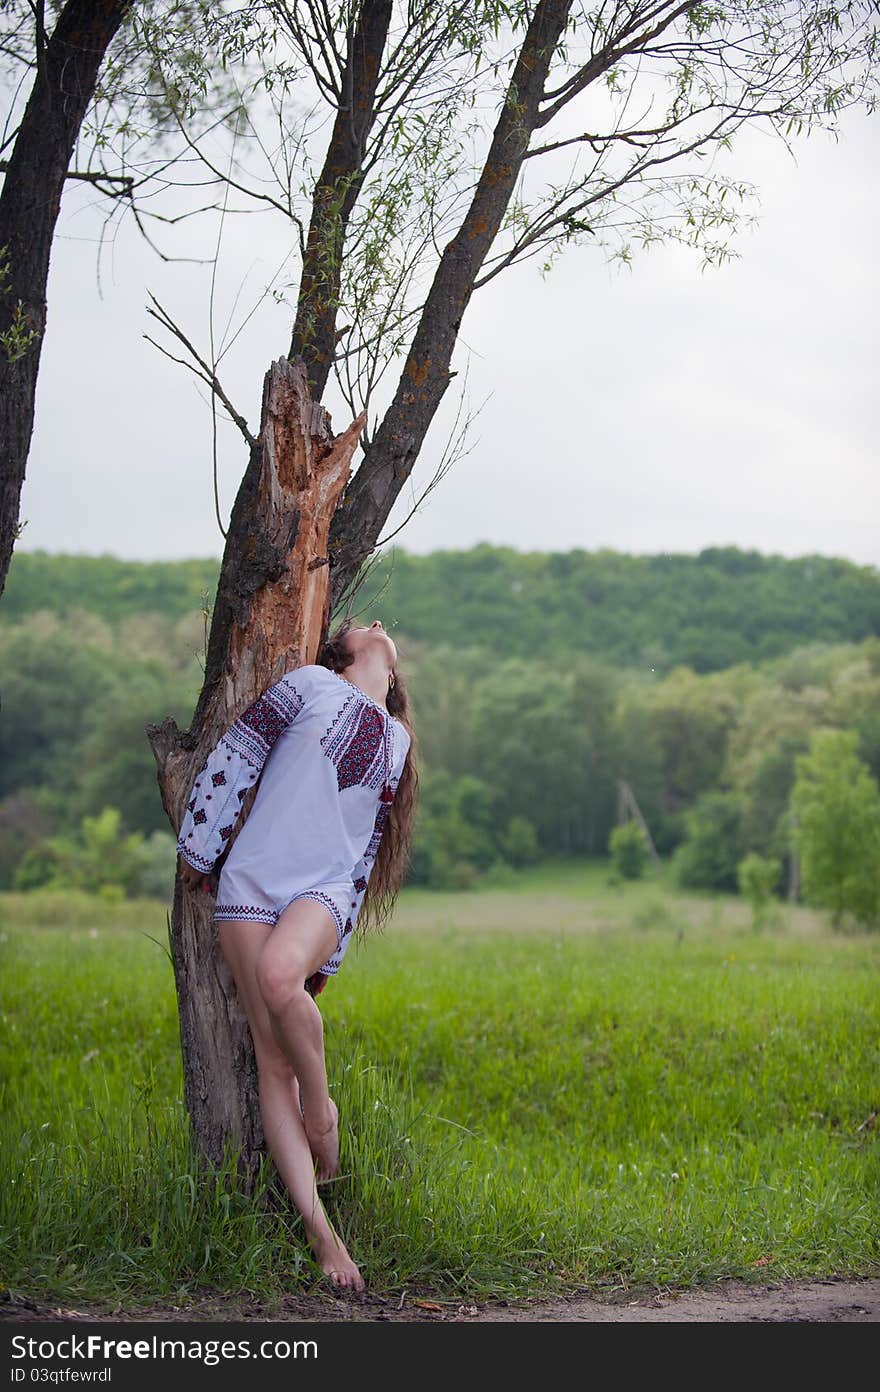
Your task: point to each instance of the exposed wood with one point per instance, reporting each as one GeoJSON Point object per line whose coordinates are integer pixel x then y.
{"type": "Point", "coordinates": [271, 613]}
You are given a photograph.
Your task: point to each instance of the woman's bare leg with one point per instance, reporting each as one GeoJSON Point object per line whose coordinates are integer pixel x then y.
{"type": "Point", "coordinates": [242, 944]}
{"type": "Point", "coordinates": [301, 941]}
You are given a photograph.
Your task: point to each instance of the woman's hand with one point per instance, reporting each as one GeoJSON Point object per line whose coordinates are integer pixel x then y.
{"type": "Point", "coordinates": [196, 879]}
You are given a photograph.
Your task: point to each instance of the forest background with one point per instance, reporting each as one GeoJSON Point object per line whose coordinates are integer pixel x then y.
{"type": "Point", "coordinates": [726, 690]}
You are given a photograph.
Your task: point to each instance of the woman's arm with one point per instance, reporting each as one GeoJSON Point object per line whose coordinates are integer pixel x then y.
{"type": "Point", "coordinates": [230, 770]}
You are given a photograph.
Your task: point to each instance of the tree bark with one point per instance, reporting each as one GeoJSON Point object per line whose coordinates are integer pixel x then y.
{"type": "Point", "coordinates": [396, 443]}
{"type": "Point", "coordinates": [336, 192]}
{"type": "Point", "coordinates": [270, 615]}
{"type": "Point", "coordinates": [66, 75]}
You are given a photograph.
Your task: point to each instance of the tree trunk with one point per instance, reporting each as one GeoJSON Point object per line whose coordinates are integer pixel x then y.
{"type": "Point", "coordinates": [336, 192]}
{"type": "Point", "coordinates": [271, 614]}
{"type": "Point", "coordinates": [793, 864]}
{"type": "Point", "coordinates": [66, 73]}
{"type": "Point", "coordinates": [395, 446]}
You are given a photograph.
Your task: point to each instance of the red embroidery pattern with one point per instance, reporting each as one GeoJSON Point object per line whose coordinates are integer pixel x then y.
{"type": "Point", "coordinates": [386, 798]}
{"type": "Point", "coordinates": [198, 862]}
{"type": "Point", "coordinates": [356, 742]}
{"type": "Point", "coordinates": [256, 729]}
{"type": "Point", "coordinates": [246, 911]}
{"type": "Point", "coordinates": [328, 903]}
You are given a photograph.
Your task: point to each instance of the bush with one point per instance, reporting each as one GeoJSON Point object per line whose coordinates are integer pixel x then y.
{"type": "Point", "coordinates": [447, 871]}
{"type": "Point", "coordinates": [835, 806]}
{"type": "Point", "coordinates": [101, 855]}
{"type": "Point", "coordinates": [629, 850]}
{"type": "Point", "coordinates": [157, 865]}
{"type": "Point", "coordinates": [709, 856]}
{"type": "Point", "coordinates": [519, 842]}
{"type": "Point", "coordinates": [758, 880]}
{"type": "Point", "coordinates": [500, 875]}
{"type": "Point", "coordinates": [49, 865]}
{"type": "Point", "coordinates": [419, 868]}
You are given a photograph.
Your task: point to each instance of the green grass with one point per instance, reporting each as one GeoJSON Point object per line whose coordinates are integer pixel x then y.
{"type": "Point", "coordinates": [564, 1081]}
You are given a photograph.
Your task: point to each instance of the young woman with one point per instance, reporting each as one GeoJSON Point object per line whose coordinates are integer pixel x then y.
{"type": "Point", "coordinates": [323, 848]}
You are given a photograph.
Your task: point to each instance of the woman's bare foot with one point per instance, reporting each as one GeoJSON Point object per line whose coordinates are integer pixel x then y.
{"type": "Point", "coordinates": [324, 1144]}
{"type": "Point", "coordinates": [335, 1262]}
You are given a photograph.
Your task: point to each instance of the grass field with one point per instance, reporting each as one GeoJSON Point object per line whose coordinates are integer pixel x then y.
{"type": "Point", "coordinates": [558, 1082]}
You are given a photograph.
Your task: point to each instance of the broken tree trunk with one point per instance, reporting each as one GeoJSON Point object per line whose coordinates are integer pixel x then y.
{"type": "Point", "coordinates": [270, 614]}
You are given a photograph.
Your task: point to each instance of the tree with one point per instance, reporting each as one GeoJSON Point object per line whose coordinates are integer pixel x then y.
{"type": "Point", "coordinates": [456, 835]}
{"type": "Point", "coordinates": [791, 66]}
{"type": "Point", "coordinates": [44, 720]}
{"type": "Point", "coordinates": [271, 610]}
{"type": "Point", "coordinates": [536, 755]}
{"type": "Point", "coordinates": [66, 74]}
{"type": "Point", "coordinates": [114, 762]}
{"type": "Point", "coordinates": [836, 808]}
{"type": "Point", "coordinates": [100, 60]}
{"type": "Point", "coordinates": [713, 847]}
{"type": "Point", "coordinates": [23, 825]}
{"type": "Point", "coordinates": [620, 108]}
{"type": "Point", "coordinates": [683, 725]}
{"type": "Point", "coordinates": [602, 130]}
{"type": "Point", "coordinates": [758, 880]}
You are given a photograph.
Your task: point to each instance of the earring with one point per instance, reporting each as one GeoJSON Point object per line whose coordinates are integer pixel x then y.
{"type": "Point", "coordinates": [391, 681]}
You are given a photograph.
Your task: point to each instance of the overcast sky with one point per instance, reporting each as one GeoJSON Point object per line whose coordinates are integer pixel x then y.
{"type": "Point", "coordinates": [662, 408]}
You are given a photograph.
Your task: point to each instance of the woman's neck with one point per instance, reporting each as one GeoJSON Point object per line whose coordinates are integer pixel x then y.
{"type": "Point", "coordinates": [370, 676]}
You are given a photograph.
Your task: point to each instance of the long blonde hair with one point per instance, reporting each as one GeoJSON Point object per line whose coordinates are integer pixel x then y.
{"type": "Point", "coordinates": [393, 855]}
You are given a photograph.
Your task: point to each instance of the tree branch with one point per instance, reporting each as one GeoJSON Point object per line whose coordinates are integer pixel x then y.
{"type": "Point", "coordinates": [336, 193]}
{"type": "Point", "coordinates": [209, 376]}
{"type": "Point", "coordinates": [610, 55]}
{"type": "Point", "coordinates": [93, 176]}
{"type": "Point", "coordinates": [426, 374]}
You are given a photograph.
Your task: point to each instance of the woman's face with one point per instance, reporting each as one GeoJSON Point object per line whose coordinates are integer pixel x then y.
{"type": "Point", "coordinates": [366, 637]}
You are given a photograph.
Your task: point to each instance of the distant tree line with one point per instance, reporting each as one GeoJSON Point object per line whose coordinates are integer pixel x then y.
{"type": "Point", "coordinates": [522, 753]}
{"type": "Point", "coordinates": [707, 611]}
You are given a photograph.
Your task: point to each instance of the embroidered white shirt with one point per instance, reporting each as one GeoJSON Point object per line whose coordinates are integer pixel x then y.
{"type": "Point", "coordinates": [329, 760]}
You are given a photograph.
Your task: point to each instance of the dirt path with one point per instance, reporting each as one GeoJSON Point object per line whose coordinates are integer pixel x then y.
{"type": "Point", "coordinates": [832, 1300]}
